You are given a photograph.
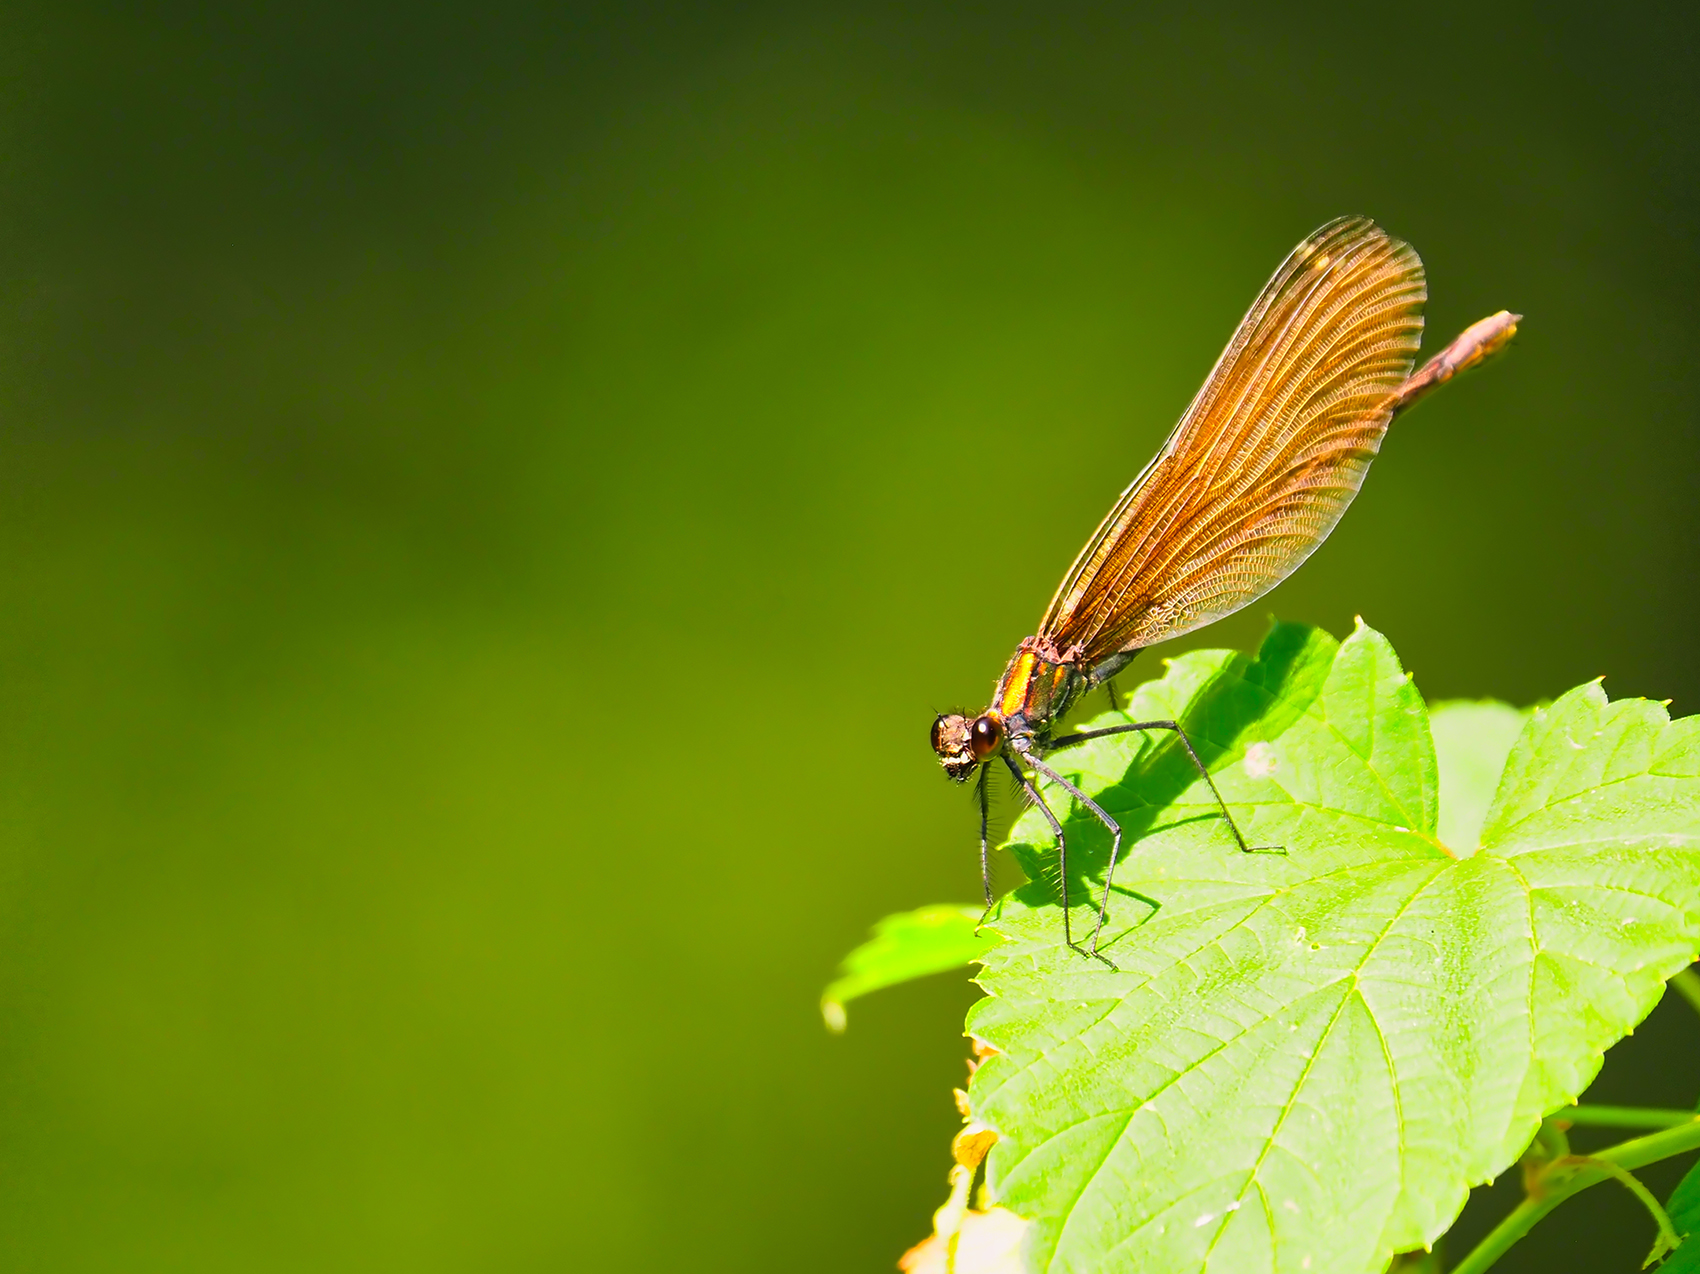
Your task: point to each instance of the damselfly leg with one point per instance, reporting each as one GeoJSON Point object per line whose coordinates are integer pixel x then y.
{"type": "Point", "coordinates": [1115, 843]}
{"type": "Point", "coordinates": [1032, 791]}
{"type": "Point", "coordinates": [983, 796]}
{"type": "Point", "coordinates": [1203, 772]}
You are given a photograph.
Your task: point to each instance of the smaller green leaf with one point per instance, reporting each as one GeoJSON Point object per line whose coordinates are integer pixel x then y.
{"type": "Point", "coordinates": [908, 945]}
{"type": "Point", "coordinates": [1471, 741]}
{"type": "Point", "coordinates": [1684, 1209]}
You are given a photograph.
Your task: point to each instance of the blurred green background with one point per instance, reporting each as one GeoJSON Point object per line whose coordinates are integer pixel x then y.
{"type": "Point", "coordinates": [491, 497]}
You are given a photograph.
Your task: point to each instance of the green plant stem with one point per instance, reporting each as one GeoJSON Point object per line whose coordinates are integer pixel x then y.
{"type": "Point", "coordinates": [1550, 1143]}
{"type": "Point", "coordinates": [1687, 984]}
{"type": "Point", "coordinates": [1623, 1116]}
{"type": "Point", "coordinates": [1565, 1177]}
{"type": "Point", "coordinates": [1668, 1237]}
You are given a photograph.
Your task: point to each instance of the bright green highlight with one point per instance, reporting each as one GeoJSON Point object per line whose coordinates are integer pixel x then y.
{"type": "Point", "coordinates": [910, 944]}
{"type": "Point", "coordinates": [1305, 1060]}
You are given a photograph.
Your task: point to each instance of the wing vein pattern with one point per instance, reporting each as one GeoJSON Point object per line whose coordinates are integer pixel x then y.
{"type": "Point", "coordinates": [1267, 457]}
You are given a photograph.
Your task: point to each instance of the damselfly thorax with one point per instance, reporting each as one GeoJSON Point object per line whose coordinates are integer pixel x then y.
{"type": "Point", "coordinates": [1038, 687]}
{"type": "Point", "coordinates": [1254, 477]}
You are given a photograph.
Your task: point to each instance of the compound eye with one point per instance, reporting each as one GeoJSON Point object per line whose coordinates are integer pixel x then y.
{"type": "Point", "coordinates": [988, 734]}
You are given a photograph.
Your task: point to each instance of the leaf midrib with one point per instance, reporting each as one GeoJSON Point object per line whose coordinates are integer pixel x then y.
{"type": "Point", "coordinates": [1321, 1044]}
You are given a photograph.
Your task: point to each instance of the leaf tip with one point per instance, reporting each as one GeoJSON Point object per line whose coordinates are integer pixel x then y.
{"type": "Point", "coordinates": [832, 1013]}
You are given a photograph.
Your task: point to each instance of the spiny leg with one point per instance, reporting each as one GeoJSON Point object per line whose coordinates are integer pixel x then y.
{"type": "Point", "coordinates": [1062, 854]}
{"type": "Point", "coordinates": [1115, 840]}
{"type": "Point", "coordinates": [1186, 743]}
{"type": "Point", "coordinates": [1110, 689]}
{"type": "Point", "coordinates": [985, 867]}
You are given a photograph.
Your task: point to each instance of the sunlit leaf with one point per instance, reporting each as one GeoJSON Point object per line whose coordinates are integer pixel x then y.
{"type": "Point", "coordinates": [1305, 1059]}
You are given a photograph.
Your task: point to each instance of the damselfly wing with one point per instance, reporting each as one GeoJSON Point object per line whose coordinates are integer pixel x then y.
{"type": "Point", "coordinates": [1254, 477]}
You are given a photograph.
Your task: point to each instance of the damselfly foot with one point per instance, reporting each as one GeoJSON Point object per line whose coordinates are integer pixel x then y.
{"type": "Point", "coordinates": [1099, 956]}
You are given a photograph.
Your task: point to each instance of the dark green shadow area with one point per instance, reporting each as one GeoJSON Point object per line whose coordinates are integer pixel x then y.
{"type": "Point", "coordinates": [1250, 698]}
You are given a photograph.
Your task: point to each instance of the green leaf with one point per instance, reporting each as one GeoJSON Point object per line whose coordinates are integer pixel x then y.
{"type": "Point", "coordinates": [1306, 1059]}
{"type": "Point", "coordinates": [1471, 741]}
{"type": "Point", "coordinates": [1684, 1209]}
{"type": "Point", "coordinates": [908, 945]}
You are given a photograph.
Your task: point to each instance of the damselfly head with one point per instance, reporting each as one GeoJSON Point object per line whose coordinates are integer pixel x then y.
{"type": "Point", "coordinates": [963, 742]}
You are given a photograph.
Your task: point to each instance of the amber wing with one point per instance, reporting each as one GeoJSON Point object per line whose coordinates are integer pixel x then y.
{"type": "Point", "coordinates": [1266, 459]}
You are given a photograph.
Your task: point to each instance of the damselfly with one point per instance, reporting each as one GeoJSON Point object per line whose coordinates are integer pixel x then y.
{"type": "Point", "coordinates": [1252, 479]}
